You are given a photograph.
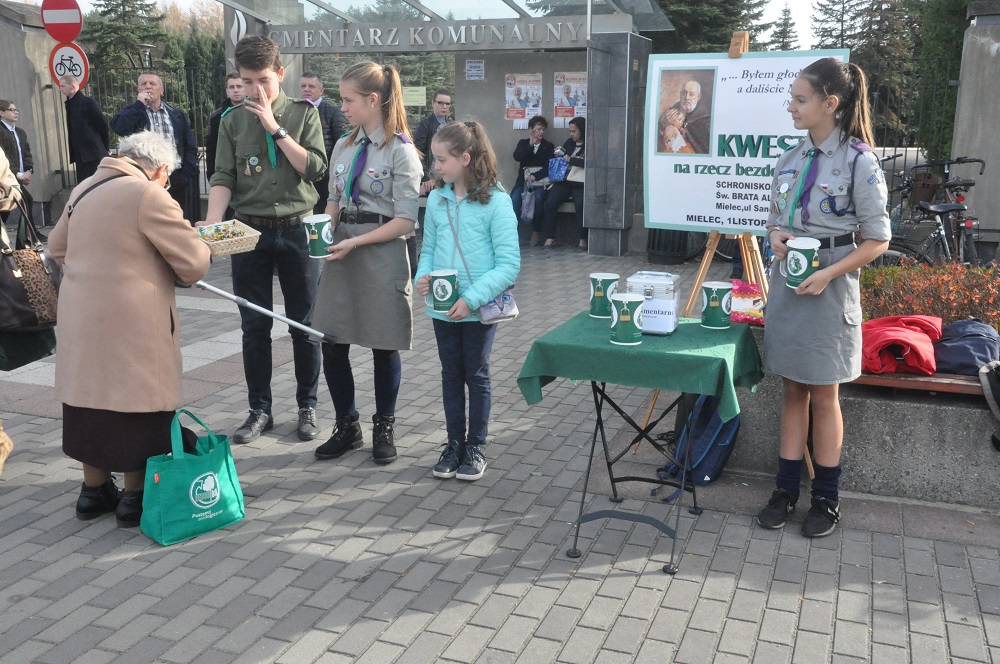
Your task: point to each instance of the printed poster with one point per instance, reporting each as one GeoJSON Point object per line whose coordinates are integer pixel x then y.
{"type": "Point", "coordinates": [715, 126]}
{"type": "Point", "coordinates": [522, 97]}
{"type": "Point", "coordinates": [570, 95]}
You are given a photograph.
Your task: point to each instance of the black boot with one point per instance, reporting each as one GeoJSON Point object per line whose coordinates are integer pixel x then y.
{"type": "Point", "coordinates": [129, 511]}
{"type": "Point", "coordinates": [97, 500]}
{"type": "Point", "coordinates": [346, 437]}
{"type": "Point", "coordinates": [383, 442]}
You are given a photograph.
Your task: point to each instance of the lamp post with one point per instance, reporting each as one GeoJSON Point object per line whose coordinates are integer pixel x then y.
{"type": "Point", "coordinates": [146, 55]}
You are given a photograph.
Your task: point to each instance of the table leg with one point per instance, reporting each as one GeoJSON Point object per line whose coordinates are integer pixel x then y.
{"type": "Point", "coordinates": [598, 427]}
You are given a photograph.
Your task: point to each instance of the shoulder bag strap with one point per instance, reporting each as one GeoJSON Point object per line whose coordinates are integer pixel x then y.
{"type": "Point", "coordinates": [447, 209]}
{"type": "Point", "coordinates": [70, 207]}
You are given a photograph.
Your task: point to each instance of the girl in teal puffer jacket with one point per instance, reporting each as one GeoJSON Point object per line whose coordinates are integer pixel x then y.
{"type": "Point", "coordinates": [468, 216]}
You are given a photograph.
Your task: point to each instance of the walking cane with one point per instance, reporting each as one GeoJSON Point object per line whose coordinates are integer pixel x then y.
{"type": "Point", "coordinates": [326, 338]}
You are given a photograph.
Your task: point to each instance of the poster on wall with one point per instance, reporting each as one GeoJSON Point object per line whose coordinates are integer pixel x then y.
{"type": "Point", "coordinates": [570, 95]}
{"type": "Point", "coordinates": [522, 98]}
{"type": "Point", "coordinates": [715, 126]}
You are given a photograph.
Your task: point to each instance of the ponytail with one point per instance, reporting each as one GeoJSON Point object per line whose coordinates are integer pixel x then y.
{"type": "Point", "coordinates": [855, 117]}
{"type": "Point", "coordinates": [847, 81]}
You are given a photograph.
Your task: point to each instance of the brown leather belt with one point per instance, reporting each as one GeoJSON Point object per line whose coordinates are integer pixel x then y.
{"type": "Point", "coordinates": [363, 218]}
{"type": "Point", "coordinates": [272, 223]}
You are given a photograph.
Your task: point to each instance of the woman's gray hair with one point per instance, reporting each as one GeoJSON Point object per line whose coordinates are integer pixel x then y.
{"type": "Point", "coordinates": [150, 150]}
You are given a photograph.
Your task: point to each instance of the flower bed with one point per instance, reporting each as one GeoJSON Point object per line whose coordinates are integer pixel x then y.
{"type": "Point", "coordinates": [950, 291]}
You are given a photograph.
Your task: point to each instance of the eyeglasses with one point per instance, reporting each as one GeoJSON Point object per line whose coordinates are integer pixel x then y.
{"type": "Point", "coordinates": [443, 103]}
{"type": "Point", "coordinates": [166, 185]}
{"type": "Point", "coordinates": [13, 110]}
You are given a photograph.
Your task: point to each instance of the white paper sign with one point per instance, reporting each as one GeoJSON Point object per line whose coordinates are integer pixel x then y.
{"type": "Point", "coordinates": [715, 126]}
{"type": "Point", "coordinates": [475, 70]}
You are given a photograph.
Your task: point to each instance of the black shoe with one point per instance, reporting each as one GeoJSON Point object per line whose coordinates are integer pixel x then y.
{"type": "Point", "coordinates": [778, 508]}
{"type": "Point", "coordinates": [307, 429]}
{"type": "Point", "coordinates": [256, 423]}
{"type": "Point", "coordinates": [822, 517]}
{"type": "Point", "coordinates": [450, 460]}
{"type": "Point", "coordinates": [97, 500]}
{"type": "Point", "coordinates": [473, 463]}
{"type": "Point", "coordinates": [346, 437]}
{"type": "Point", "coordinates": [129, 511]}
{"type": "Point", "coordinates": [383, 443]}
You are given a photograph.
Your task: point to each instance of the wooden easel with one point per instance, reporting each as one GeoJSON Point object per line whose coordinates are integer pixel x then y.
{"type": "Point", "coordinates": [753, 262]}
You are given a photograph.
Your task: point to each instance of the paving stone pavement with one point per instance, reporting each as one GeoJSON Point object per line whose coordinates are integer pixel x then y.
{"type": "Point", "coordinates": [346, 561]}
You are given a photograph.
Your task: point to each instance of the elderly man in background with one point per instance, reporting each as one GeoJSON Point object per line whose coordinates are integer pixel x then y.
{"type": "Point", "coordinates": [86, 127]}
{"type": "Point", "coordinates": [119, 372]}
{"type": "Point", "coordinates": [334, 124]}
{"type": "Point", "coordinates": [150, 112]}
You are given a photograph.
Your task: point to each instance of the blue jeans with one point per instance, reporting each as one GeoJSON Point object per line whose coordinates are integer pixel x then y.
{"type": "Point", "coordinates": [253, 279]}
{"type": "Point", "coordinates": [464, 349]}
{"type": "Point", "coordinates": [515, 197]}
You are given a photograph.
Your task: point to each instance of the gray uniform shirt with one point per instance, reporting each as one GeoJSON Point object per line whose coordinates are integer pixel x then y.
{"type": "Point", "coordinates": [390, 181]}
{"type": "Point", "coordinates": [835, 160]}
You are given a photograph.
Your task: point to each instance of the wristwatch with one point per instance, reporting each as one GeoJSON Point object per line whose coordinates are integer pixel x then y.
{"type": "Point", "coordinates": [280, 134]}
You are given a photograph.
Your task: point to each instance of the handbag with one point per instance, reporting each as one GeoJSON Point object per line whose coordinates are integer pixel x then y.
{"type": "Point", "coordinates": [20, 348]}
{"type": "Point", "coordinates": [558, 167]}
{"type": "Point", "coordinates": [528, 202]}
{"type": "Point", "coordinates": [500, 309]}
{"type": "Point", "coordinates": [185, 494]}
{"type": "Point", "coordinates": [29, 281]}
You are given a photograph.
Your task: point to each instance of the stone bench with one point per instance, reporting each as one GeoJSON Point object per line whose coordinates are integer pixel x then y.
{"type": "Point", "coordinates": [921, 439]}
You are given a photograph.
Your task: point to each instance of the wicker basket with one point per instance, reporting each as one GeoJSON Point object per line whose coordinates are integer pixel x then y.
{"type": "Point", "coordinates": [233, 245]}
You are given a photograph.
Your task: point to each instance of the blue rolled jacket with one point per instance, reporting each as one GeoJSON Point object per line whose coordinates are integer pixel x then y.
{"type": "Point", "coordinates": [488, 236]}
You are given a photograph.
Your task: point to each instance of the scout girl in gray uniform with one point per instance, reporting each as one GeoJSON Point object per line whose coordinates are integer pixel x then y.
{"type": "Point", "coordinates": [829, 187]}
{"type": "Point", "coordinates": [365, 289]}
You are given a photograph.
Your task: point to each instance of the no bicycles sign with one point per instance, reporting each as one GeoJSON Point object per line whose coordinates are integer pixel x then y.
{"type": "Point", "coordinates": [69, 59]}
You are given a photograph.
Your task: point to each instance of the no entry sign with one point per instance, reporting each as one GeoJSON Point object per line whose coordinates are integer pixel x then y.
{"type": "Point", "coordinates": [69, 59]}
{"type": "Point", "coordinates": [62, 19]}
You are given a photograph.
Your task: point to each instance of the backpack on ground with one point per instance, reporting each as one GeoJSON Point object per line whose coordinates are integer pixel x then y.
{"type": "Point", "coordinates": [711, 441]}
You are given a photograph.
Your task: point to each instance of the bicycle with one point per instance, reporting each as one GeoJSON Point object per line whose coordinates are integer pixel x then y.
{"type": "Point", "coordinates": [925, 239]}
{"type": "Point", "coordinates": [67, 65]}
{"type": "Point", "coordinates": [697, 240]}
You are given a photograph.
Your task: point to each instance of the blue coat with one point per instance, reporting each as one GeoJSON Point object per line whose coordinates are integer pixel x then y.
{"type": "Point", "coordinates": [488, 235]}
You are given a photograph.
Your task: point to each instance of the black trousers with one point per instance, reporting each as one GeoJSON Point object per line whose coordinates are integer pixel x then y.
{"type": "Point", "coordinates": [28, 203]}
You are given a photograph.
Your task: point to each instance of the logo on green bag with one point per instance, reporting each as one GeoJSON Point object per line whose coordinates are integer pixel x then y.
{"type": "Point", "coordinates": [205, 490]}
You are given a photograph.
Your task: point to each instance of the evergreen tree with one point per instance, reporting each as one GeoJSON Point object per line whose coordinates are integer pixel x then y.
{"type": "Point", "coordinates": [115, 29]}
{"type": "Point", "coordinates": [752, 20]}
{"type": "Point", "coordinates": [702, 26]}
{"type": "Point", "coordinates": [838, 23]}
{"type": "Point", "coordinates": [940, 39]}
{"type": "Point", "coordinates": [784, 37]}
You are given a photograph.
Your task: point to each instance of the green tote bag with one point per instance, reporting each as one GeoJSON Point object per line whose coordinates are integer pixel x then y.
{"type": "Point", "coordinates": [187, 495]}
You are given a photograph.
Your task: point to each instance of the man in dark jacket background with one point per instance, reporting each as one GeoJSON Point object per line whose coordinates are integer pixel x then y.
{"type": "Point", "coordinates": [86, 128]}
{"type": "Point", "coordinates": [334, 124]}
{"type": "Point", "coordinates": [425, 131]}
{"type": "Point", "coordinates": [149, 111]}
{"type": "Point", "coordinates": [234, 95]}
{"type": "Point", "coordinates": [14, 143]}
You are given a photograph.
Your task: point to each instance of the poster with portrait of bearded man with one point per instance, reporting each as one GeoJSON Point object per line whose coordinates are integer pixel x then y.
{"type": "Point", "coordinates": [684, 122]}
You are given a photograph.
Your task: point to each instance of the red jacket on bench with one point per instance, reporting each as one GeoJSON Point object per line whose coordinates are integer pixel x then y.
{"type": "Point", "coordinates": [900, 344]}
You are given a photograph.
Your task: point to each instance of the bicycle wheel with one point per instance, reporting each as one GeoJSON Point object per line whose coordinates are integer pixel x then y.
{"type": "Point", "coordinates": [727, 248]}
{"type": "Point", "coordinates": [694, 244]}
{"type": "Point", "coordinates": [900, 254]}
{"type": "Point", "coordinates": [970, 254]}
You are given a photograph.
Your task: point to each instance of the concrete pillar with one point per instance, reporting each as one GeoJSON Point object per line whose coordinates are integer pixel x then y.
{"type": "Point", "coordinates": [616, 66]}
{"type": "Point", "coordinates": [976, 113]}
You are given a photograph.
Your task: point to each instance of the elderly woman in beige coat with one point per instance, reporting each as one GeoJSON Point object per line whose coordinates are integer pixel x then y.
{"type": "Point", "coordinates": [118, 369]}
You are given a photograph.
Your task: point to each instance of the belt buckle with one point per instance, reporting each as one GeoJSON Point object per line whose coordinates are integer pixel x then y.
{"type": "Point", "coordinates": [352, 217]}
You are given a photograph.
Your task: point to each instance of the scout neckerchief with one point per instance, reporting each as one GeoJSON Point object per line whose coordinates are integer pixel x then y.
{"type": "Point", "coordinates": [811, 170]}
{"type": "Point", "coordinates": [357, 168]}
{"type": "Point", "coordinates": [272, 153]}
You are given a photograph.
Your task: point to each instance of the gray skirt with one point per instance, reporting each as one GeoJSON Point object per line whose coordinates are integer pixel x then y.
{"type": "Point", "coordinates": [814, 339]}
{"type": "Point", "coordinates": [365, 298]}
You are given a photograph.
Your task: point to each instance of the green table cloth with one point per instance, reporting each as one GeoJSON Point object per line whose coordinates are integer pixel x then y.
{"type": "Point", "coordinates": [692, 359]}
